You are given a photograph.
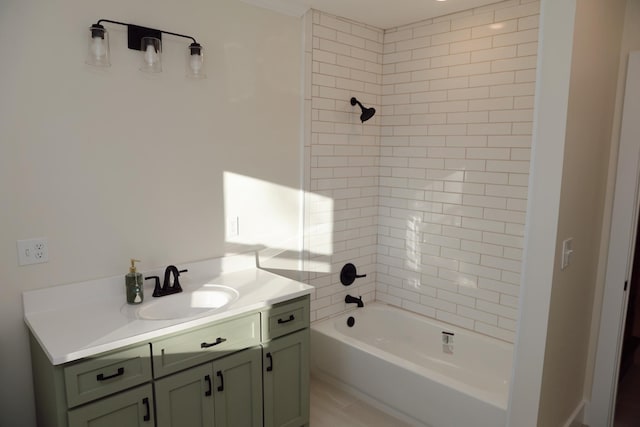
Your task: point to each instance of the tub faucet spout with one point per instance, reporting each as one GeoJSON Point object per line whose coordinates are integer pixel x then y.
{"type": "Point", "coordinates": [353, 300]}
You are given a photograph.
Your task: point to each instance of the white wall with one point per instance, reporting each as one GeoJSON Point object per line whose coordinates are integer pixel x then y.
{"type": "Point", "coordinates": [552, 92]}
{"type": "Point", "coordinates": [441, 170]}
{"type": "Point", "coordinates": [577, 75]}
{"type": "Point", "coordinates": [454, 163]}
{"type": "Point", "coordinates": [592, 93]}
{"type": "Point", "coordinates": [630, 42]}
{"type": "Point", "coordinates": [110, 164]}
{"type": "Point", "coordinates": [341, 159]}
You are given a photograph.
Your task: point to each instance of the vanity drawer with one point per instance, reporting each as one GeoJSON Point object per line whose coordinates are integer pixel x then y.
{"type": "Point", "coordinates": [285, 318]}
{"type": "Point", "coordinates": [100, 376]}
{"type": "Point", "coordinates": [183, 351]}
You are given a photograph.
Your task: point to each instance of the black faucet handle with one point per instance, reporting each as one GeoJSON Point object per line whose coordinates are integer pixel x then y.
{"type": "Point", "coordinates": [348, 274]}
{"type": "Point", "coordinates": [157, 290]}
{"type": "Point", "coordinates": [176, 280]}
{"type": "Point", "coordinates": [171, 284]}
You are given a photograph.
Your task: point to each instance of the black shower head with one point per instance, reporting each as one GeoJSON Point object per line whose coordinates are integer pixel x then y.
{"type": "Point", "coordinates": [367, 113]}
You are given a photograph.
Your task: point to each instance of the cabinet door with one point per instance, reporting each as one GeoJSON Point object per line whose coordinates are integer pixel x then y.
{"type": "Point", "coordinates": [286, 380]}
{"type": "Point", "coordinates": [238, 389]}
{"type": "Point", "coordinates": [133, 408]}
{"type": "Point", "coordinates": [186, 399]}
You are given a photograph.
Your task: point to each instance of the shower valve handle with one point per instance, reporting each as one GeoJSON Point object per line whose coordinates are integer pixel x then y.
{"type": "Point", "coordinates": [348, 274]}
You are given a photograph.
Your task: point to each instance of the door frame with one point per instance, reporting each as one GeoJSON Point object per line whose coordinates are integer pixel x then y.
{"type": "Point", "coordinates": [624, 222]}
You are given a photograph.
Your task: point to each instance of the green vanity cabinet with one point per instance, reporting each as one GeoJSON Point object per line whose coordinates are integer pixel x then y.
{"type": "Point", "coordinates": [248, 370]}
{"type": "Point", "coordinates": [132, 408]}
{"type": "Point", "coordinates": [285, 361]}
{"type": "Point", "coordinates": [186, 349]}
{"type": "Point", "coordinates": [238, 389]}
{"type": "Point", "coordinates": [96, 377]}
{"type": "Point", "coordinates": [186, 399]}
{"type": "Point", "coordinates": [286, 380]}
{"type": "Point", "coordinates": [224, 393]}
{"type": "Point", "coordinates": [110, 389]}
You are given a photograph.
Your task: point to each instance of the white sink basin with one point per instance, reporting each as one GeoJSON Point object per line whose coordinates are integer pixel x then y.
{"type": "Point", "coordinates": [204, 299]}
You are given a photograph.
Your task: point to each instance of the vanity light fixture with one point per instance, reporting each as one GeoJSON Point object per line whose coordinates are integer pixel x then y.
{"type": "Point", "coordinates": [367, 113]}
{"type": "Point", "coordinates": [147, 40]}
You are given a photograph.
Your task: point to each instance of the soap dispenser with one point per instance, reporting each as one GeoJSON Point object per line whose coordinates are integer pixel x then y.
{"type": "Point", "coordinates": [133, 284]}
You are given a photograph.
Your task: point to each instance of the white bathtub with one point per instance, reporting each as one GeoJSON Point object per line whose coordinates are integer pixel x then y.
{"type": "Point", "coordinates": [398, 360]}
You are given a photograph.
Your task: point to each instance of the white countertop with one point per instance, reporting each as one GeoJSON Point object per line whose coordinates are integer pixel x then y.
{"type": "Point", "coordinates": [83, 319]}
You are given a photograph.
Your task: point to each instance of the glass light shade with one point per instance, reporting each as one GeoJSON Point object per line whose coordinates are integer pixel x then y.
{"type": "Point", "coordinates": [151, 55]}
{"type": "Point", "coordinates": [195, 64]}
{"type": "Point", "coordinates": [98, 53]}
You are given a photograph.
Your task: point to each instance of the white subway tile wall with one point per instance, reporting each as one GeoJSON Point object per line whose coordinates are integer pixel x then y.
{"type": "Point", "coordinates": [341, 158]}
{"type": "Point", "coordinates": [428, 198]}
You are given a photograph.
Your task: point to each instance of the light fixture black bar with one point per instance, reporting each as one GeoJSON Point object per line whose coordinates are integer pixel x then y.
{"type": "Point", "coordinates": [150, 32]}
{"type": "Point", "coordinates": [135, 33]}
{"type": "Point", "coordinates": [179, 35]}
{"type": "Point", "coordinates": [113, 22]}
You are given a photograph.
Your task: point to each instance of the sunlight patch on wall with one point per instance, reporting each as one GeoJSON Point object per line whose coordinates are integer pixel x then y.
{"type": "Point", "coordinates": [319, 233]}
{"type": "Point", "coordinates": [262, 216]}
{"type": "Point", "coordinates": [259, 213]}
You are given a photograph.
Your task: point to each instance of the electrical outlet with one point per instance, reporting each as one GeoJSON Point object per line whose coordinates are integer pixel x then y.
{"type": "Point", "coordinates": [567, 252]}
{"type": "Point", "coordinates": [233, 226]}
{"type": "Point", "coordinates": [33, 251]}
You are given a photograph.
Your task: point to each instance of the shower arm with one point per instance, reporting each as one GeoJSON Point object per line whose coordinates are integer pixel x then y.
{"type": "Point", "coordinates": [355, 101]}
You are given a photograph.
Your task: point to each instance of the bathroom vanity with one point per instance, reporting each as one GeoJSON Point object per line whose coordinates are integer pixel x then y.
{"type": "Point", "coordinates": [242, 364]}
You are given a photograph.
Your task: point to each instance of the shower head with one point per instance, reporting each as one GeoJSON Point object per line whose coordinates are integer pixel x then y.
{"type": "Point", "coordinates": [367, 113]}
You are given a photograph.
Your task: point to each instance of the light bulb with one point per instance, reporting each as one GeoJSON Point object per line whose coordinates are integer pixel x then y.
{"type": "Point", "coordinates": [98, 48]}
{"type": "Point", "coordinates": [196, 63]}
{"type": "Point", "coordinates": [150, 55]}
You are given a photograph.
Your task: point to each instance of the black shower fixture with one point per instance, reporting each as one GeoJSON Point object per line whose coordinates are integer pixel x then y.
{"type": "Point", "coordinates": [348, 274]}
{"type": "Point", "coordinates": [367, 113]}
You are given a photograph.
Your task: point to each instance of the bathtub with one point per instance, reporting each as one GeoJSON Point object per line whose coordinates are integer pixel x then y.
{"type": "Point", "coordinates": [427, 372]}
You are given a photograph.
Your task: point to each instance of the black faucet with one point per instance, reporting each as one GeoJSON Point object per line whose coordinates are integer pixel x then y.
{"type": "Point", "coordinates": [169, 286]}
{"type": "Point", "coordinates": [353, 300]}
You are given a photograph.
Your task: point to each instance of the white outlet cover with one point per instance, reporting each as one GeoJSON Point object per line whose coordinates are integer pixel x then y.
{"type": "Point", "coordinates": [567, 252]}
{"type": "Point", "coordinates": [33, 251]}
{"type": "Point", "coordinates": [233, 226]}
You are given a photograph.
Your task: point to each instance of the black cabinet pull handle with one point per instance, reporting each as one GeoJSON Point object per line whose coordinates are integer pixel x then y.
{"type": "Point", "coordinates": [221, 386]}
{"type": "Point", "coordinates": [101, 377]}
{"type": "Point", "coordinates": [207, 378]}
{"type": "Point", "coordinates": [145, 402]}
{"type": "Point", "coordinates": [218, 341]}
{"type": "Point", "coordinates": [270, 367]}
{"type": "Point", "coordinates": [290, 319]}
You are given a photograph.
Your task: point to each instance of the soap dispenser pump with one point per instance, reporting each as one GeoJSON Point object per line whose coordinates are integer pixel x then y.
{"type": "Point", "coordinates": [133, 284]}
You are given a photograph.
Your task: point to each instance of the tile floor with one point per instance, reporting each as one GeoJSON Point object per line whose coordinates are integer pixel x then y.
{"type": "Point", "coordinates": [333, 407]}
